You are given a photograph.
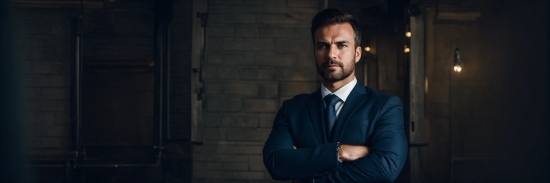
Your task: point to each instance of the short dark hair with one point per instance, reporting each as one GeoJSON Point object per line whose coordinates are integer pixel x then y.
{"type": "Point", "coordinates": [335, 16]}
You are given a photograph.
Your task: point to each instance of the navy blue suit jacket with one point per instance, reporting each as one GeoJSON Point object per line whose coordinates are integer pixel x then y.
{"type": "Point", "coordinates": [367, 118]}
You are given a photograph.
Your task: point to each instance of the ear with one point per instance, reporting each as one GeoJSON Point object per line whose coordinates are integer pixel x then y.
{"type": "Point", "coordinates": [358, 52]}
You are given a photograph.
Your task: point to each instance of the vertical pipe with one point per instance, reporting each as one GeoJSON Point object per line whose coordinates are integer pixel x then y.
{"type": "Point", "coordinates": [158, 51]}
{"type": "Point", "coordinates": [76, 96]}
{"type": "Point", "coordinates": [77, 88]}
{"type": "Point", "coordinates": [159, 82]}
{"type": "Point", "coordinates": [164, 81]}
{"type": "Point", "coordinates": [161, 48]}
{"type": "Point", "coordinates": [78, 82]}
{"type": "Point", "coordinates": [167, 80]}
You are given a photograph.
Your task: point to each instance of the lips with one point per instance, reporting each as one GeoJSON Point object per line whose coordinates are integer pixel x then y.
{"type": "Point", "coordinates": [329, 66]}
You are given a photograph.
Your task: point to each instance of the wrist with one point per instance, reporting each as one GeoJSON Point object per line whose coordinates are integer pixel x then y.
{"type": "Point", "coordinates": [338, 152]}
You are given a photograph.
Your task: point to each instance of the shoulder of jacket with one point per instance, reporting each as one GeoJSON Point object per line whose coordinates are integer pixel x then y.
{"type": "Point", "coordinates": [377, 95]}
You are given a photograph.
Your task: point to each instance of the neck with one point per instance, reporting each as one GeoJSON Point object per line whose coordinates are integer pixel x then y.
{"type": "Point", "coordinates": [333, 86]}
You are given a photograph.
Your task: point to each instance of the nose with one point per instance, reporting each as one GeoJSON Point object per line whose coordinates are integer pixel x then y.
{"type": "Point", "coordinates": [332, 52]}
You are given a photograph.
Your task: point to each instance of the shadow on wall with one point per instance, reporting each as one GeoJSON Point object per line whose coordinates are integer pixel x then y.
{"type": "Point", "coordinates": [13, 165]}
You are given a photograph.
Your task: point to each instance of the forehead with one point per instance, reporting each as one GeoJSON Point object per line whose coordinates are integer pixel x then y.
{"type": "Point", "coordinates": [335, 32]}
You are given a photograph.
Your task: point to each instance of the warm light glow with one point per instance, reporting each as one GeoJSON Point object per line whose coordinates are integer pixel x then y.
{"type": "Point", "coordinates": [367, 48]}
{"type": "Point", "coordinates": [407, 49]}
{"type": "Point", "coordinates": [408, 34]}
{"type": "Point", "coordinates": [457, 68]}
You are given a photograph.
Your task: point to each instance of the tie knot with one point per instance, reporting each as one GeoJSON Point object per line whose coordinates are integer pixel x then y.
{"type": "Point", "coordinates": [331, 99]}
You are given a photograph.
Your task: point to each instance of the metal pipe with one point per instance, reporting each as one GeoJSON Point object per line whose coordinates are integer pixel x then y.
{"type": "Point", "coordinates": [77, 87]}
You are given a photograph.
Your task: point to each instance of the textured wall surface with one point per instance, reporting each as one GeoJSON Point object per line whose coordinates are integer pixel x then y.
{"type": "Point", "coordinates": [498, 101]}
{"type": "Point", "coordinates": [259, 53]}
{"type": "Point", "coordinates": [43, 48]}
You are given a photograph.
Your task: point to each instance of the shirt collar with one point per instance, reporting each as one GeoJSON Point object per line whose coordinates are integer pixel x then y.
{"type": "Point", "coordinates": [342, 93]}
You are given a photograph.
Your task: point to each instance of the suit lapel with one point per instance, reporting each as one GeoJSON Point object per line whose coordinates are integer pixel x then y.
{"type": "Point", "coordinates": [315, 108]}
{"type": "Point", "coordinates": [354, 100]}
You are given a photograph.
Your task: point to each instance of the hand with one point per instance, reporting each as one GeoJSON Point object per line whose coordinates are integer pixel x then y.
{"type": "Point", "coordinates": [352, 152]}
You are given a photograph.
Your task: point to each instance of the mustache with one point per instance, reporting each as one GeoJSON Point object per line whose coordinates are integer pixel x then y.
{"type": "Point", "coordinates": [332, 62]}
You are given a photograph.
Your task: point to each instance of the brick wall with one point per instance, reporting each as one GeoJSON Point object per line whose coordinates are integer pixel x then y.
{"type": "Point", "coordinates": [43, 48]}
{"type": "Point", "coordinates": [259, 53]}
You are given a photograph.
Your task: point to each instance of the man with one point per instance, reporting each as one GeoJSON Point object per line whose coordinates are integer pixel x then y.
{"type": "Point", "coordinates": [343, 132]}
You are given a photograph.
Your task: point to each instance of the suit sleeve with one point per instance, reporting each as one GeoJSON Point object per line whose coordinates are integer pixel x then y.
{"type": "Point", "coordinates": [285, 163]}
{"type": "Point", "coordinates": [388, 150]}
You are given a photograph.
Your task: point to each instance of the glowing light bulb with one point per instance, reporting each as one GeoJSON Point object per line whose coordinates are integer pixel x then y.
{"type": "Point", "coordinates": [408, 34]}
{"type": "Point", "coordinates": [367, 48]}
{"type": "Point", "coordinates": [457, 68]}
{"type": "Point", "coordinates": [407, 49]}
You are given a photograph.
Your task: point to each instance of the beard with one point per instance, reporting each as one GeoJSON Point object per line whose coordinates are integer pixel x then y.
{"type": "Point", "coordinates": [334, 76]}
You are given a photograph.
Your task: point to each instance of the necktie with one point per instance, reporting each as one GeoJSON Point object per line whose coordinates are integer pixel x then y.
{"type": "Point", "coordinates": [330, 111]}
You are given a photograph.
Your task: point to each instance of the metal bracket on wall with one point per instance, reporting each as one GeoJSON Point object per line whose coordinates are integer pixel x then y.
{"type": "Point", "coordinates": [204, 22]}
{"type": "Point", "coordinates": [204, 18]}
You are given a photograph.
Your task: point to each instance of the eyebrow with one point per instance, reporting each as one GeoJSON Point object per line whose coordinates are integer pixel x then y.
{"type": "Point", "coordinates": [342, 42]}
{"type": "Point", "coordinates": [320, 42]}
{"type": "Point", "coordinates": [337, 42]}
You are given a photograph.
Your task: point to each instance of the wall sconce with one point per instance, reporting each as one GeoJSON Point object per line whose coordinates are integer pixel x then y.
{"type": "Point", "coordinates": [407, 49]}
{"type": "Point", "coordinates": [458, 62]}
{"type": "Point", "coordinates": [367, 48]}
{"type": "Point", "coordinates": [367, 45]}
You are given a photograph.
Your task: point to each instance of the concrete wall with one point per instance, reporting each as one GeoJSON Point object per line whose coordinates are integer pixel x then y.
{"type": "Point", "coordinates": [259, 53]}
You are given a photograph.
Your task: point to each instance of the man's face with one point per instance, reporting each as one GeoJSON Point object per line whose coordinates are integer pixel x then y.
{"type": "Point", "coordinates": [335, 51]}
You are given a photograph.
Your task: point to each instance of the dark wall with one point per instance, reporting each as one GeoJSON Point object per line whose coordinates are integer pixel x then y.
{"type": "Point", "coordinates": [487, 123]}
{"type": "Point", "coordinates": [180, 69]}
{"type": "Point", "coordinates": [13, 155]}
{"type": "Point", "coordinates": [258, 54]}
{"type": "Point", "coordinates": [118, 75]}
{"type": "Point", "coordinates": [490, 121]}
{"type": "Point", "coordinates": [118, 87]}
{"type": "Point", "coordinates": [43, 48]}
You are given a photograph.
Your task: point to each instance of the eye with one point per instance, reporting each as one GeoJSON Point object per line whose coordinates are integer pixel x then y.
{"type": "Point", "coordinates": [321, 46]}
{"type": "Point", "coordinates": [342, 46]}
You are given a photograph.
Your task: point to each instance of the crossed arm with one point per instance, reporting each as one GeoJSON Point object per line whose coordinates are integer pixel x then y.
{"type": "Point", "coordinates": [350, 152]}
{"type": "Point", "coordinates": [380, 162]}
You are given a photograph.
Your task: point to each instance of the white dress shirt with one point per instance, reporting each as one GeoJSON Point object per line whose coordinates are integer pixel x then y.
{"type": "Point", "coordinates": [342, 93]}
